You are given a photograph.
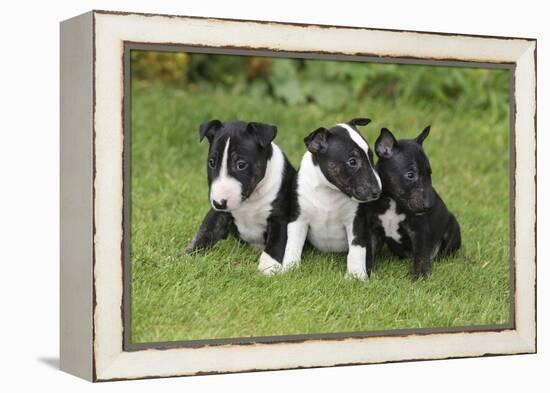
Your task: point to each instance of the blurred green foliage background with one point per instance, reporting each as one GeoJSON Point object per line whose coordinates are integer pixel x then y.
{"type": "Point", "coordinates": [329, 85]}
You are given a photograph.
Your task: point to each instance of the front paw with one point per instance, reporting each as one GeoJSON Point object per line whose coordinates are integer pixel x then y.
{"type": "Point", "coordinates": [191, 248]}
{"type": "Point", "coordinates": [268, 266]}
{"type": "Point", "coordinates": [360, 275]}
{"type": "Point", "coordinates": [422, 269]}
{"type": "Point", "coordinates": [188, 250]}
{"type": "Point", "coordinates": [289, 265]}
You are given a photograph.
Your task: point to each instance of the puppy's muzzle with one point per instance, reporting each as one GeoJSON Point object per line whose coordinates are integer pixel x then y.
{"type": "Point", "coordinates": [363, 197]}
{"type": "Point", "coordinates": [375, 195]}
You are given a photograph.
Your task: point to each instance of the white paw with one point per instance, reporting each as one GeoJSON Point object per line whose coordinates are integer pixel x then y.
{"type": "Point", "coordinates": [290, 265]}
{"type": "Point", "coordinates": [356, 263]}
{"type": "Point", "coordinates": [359, 275]}
{"type": "Point", "coordinates": [268, 266]}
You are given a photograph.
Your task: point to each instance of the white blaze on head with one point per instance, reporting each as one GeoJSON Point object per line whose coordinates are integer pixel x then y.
{"type": "Point", "coordinates": [362, 143]}
{"type": "Point", "coordinates": [224, 187]}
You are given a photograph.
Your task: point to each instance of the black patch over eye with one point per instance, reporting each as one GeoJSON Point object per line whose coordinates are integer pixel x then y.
{"type": "Point", "coordinates": [212, 162]}
{"type": "Point", "coordinates": [242, 165]}
{"type": "Point", "coordinates": [352, 162]}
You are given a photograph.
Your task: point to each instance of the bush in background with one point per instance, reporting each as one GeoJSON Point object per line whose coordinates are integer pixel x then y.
{"type": "Point", "coordinates": [330, 85]}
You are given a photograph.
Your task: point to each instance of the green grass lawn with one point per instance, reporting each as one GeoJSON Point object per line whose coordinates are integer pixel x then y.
{"type": "Point", "coordinates": [219, 294]}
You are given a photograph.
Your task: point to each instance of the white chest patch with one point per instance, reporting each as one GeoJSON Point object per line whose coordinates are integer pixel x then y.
{"type": "Point", "coordinates": [252, 226]}
{"type": "Point", "coordinates": [390, 222]}
{"type": "Point", "coordinates": [327, 210]}
{"type": "Point", "coordinates": [327, 224]}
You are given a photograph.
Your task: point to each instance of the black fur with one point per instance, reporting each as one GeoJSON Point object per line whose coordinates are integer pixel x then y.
{"type": "Point", "coordinates": [276, 235]}
{"type": "Point", "coordinates": [429, 229]}
{"type": "Point", "coordinates": [334, 151]}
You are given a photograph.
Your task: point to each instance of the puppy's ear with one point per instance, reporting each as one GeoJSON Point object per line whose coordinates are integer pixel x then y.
{"type": "Point", "coordinates": [385, 144]}
{"type": "Point", "coordinates": [423, 135]}
{"type": "Point", "coordinates": [264, 133]}
{"type": "Point", "coordinates": [316, 142]}
{"type": "Point", "coordinates": [208, 129]}
{"type": "Point", "coordinates": [359, 121]}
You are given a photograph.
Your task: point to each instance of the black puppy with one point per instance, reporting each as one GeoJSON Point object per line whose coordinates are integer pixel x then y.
{"type": "Point", "coordinates": [250, 189]}
{"type": "Point", "coordinates": [410, 216]}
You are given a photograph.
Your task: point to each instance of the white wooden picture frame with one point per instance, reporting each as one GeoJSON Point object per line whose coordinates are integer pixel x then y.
{"type": "Point", "coordinates": [92, 193]}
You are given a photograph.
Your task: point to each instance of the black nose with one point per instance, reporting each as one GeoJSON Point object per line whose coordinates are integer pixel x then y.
{"type": "Point", "coordinates": [221, 205]}
{"type": "Point", "coordinates": [376, 194]}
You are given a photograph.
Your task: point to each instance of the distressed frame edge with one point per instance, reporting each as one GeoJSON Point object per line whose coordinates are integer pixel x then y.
{"type": "Point", "coordinates": [76, 196]}
{"type": "Point", "coordinates": [522, 347]}
{"type": "Point", "coordinates": [128, 346]}
{"type": "Point", "coordinates": [256, 370]}
{"type": "Point", "coordinates": [528, 340]}
{"type": "Point", "coordinates": [526, 122]}
{"type": "Point", "coordinates": [305, 25]}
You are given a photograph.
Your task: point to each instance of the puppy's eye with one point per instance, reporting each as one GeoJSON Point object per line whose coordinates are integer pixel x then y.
{"type": "Point", "coordinates": [410, 175]}
{"type": "Point", "coordinates": [242, 165]}
{"type": "Point", "coordinates": [212, 163]}
{"type": "Point", "coordinates": [352, 162]}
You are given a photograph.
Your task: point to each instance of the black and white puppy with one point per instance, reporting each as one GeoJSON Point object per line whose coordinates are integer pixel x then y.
{"type": "Point", "coordinates": [336, 175]}
{"type": "Point", "coordinates": [411, 217]}
{"type": "Point", "coordinates": [250, 189]}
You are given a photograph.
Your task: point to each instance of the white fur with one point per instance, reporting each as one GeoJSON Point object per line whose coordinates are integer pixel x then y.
{"type": "Point", "coordinates": [325, 213]}
{"type": "Point", "coordinates": [362, 143]}
{"type": "Point", "coordinates": [268, 265]}
{"type": "Point", "coordinates": [225, 186]}
{"type": "Point", "coordinates": [252, 214]}
{"type": "Point", "coordinates": [356, 259]}
{"type": "Point", "coordinates": [327, 209]}
{"type": "Point", "coordinates": [390, 222]}
{"type": "Point", "coordinates": [296, 235]}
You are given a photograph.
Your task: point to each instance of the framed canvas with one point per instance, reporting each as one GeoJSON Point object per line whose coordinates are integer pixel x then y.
{"type": "Point", "coordinates": [138, 92]}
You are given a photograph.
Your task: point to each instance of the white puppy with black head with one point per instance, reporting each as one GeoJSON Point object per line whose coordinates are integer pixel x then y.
{"type": "Point", "coordinates": [336, 176]}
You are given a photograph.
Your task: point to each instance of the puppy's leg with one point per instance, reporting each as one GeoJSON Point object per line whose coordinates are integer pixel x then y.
{"type": "Point", "coordinates": [214, 228]}
{"type": "Point", "coordinates": [369, 229]}
{"type": "Point", "coordinates": [272, 257]}
{"type": "Point", "coordinates": [357, 253]}
{"type": "Point", "coordinates": [422, 264]}
{"type": "Point", "coordinates": [374, 246]}
{"type": "Point", "coordinates": [296, 237]}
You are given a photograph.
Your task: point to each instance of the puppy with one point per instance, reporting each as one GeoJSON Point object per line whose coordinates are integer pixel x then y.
{"type": "Point", "coordinates": [336, 175]}
{"type": "Point", "coordinates": [410, 215]}
{"type": "Point", "coordinates": [250, 185]}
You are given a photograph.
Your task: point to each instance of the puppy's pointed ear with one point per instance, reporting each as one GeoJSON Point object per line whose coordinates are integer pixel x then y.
{"type": "Point", "coordinates": [264, 133]}
{"type": "Point", "coordinates": [208, 129]}
{"type": "Point", "coordinates": [423, 135]}
{"type": "Point", "coordinates": [316, 142]}
{"type": "Point", "coordinates": [385, 144]}
{"type": "Point", "coordinates": [359, 121]}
